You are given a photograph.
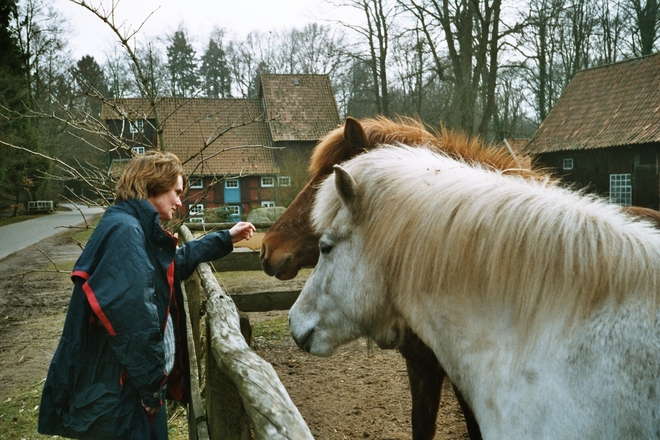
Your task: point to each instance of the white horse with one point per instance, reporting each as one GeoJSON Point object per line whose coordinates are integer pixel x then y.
{"type": "Point", "coordinates": [541, 303]}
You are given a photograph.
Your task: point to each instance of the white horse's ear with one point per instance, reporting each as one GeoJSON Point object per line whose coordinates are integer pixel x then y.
{"type": "Point", "coordinates": [346, 187]}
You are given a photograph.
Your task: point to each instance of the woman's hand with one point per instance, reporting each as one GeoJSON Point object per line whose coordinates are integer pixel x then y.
{"type": "Point", "coordinates": [151, 411]}
{"type": "Point", "coordinates": [241, 231]}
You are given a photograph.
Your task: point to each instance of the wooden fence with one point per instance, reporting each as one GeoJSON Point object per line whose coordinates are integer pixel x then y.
{"type": "Point", "coordinates": [244, 396]}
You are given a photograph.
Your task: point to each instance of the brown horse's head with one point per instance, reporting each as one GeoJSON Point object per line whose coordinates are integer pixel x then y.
{"type": "Point", "coordinates": [291, 243]}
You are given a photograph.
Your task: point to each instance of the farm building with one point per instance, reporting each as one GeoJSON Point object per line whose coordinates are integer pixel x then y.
{"type": "Point", "coordinates": [237, 153]}
{"type": "Point", "coordinates": [603, 133]}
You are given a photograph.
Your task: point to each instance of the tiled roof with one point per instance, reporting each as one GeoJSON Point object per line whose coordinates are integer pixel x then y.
{"type": "Point", "coordinates": [617, 104]}
{"type": "Point", "coordinates": [299, 107]}
{"type": "Point", "coordinates": [234, 131]}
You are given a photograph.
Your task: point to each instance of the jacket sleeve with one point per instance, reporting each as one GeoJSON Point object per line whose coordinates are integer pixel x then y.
{"type": "Point", "coordinates": [208, 248]}
{"type": "Point", "coordinates": [121, 293]}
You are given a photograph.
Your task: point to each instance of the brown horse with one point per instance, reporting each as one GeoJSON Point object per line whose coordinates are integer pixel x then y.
{"type": "Point", "coordinates": [291, 244]}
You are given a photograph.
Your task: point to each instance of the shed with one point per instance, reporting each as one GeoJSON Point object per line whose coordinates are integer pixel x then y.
{"type": "Point", "coordinates": [603, 133]}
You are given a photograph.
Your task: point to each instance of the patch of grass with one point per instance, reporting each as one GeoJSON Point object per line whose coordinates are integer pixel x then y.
{"type": "Point", "coordinates": [4, 221]}
{"type": "Point", "coordinates": [177, 424]}
{"type": "Point", "coordinates": [18, 415]}
{"type": "Point", "coordinates": [83, 235]}
{"type": "Point", "coordinates": [232, 278]}
{"type": "Point", "coordinates": [271, 329]}
{"type": "Point", "coordinates": [239, 277]}
{"type": "Point", "coordinates": [65, 268]}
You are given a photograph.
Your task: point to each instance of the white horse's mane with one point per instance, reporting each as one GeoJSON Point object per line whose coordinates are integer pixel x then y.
{"type": "Point", "coordinates": [432, 223]}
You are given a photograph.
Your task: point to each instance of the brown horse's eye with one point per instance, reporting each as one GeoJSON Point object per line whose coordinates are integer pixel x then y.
{"type": "Point", "coordinates": [325, 248]}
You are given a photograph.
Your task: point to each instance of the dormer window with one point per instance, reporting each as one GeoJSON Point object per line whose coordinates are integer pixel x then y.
{"type": "Point", "coordinates": [136, 126]}
{"type": "Point", "coordinates": [567, 164]}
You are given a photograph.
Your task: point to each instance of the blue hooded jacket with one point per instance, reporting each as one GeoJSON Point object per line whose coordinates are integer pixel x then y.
{"type": "Point", "coordinates": [111, 356]}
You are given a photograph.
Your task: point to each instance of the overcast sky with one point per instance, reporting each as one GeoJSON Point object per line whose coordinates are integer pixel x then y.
{"type": "Point", "coordinates": [90, 36]}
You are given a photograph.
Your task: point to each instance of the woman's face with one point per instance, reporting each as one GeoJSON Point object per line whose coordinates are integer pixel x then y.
{"type": "Point", "coordinates": [169, 202]}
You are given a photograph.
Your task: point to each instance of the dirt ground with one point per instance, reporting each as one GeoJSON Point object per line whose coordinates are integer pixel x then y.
{"type": "Point", "coordinates": [359, 393]}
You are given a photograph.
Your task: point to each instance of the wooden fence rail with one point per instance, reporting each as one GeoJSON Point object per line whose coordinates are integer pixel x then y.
{"type": "Point", "coordinates": [266, 402]}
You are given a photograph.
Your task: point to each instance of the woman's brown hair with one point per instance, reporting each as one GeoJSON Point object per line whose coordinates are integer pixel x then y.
{"type": "Point", "coordinates": [148, 175]}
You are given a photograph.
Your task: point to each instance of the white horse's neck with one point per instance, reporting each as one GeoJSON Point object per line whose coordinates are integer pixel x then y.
{"type": "Point", "coordinates": [554, 388]}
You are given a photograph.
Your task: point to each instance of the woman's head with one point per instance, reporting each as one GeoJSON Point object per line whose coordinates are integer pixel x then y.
{"type": "Point", "coordinates": [149, 175]}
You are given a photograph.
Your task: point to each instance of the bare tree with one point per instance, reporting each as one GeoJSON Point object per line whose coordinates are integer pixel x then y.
{"type": "Point", "coordinates": [40, 37]}
{"type": "Point", "coordinates": [409, 55]}
{"type": "Point", "coordinates": [644, 25]}
{"type": "Point", "coordinates": [313, 49]}
{"type": "Point", "coordinates": [576, 37]}
{"type": "Point", "coordinates": [247, 59]}
{"type": "Point", "coordinates": [610, 35]}
{"type": "Point", "coordinates": [379, 17]}
{"type": "Point", "coordinates": [465, 40]}
{"type": "Point", "coordinates": [539, 44]}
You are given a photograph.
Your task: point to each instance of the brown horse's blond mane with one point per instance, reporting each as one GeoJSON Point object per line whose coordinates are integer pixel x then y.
{"type": "Point", "coordinates": [408, 131]}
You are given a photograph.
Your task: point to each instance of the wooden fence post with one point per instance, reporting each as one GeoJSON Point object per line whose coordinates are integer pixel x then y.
{"type": "Point", "coordinates": [197, 425]}
{"type": "Point", "coordinates": [226, 414]}
{"type": "Point", "coordinates": [267, 404]}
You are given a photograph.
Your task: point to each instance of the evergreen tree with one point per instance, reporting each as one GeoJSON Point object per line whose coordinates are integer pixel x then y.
{"type": "Point", "coordinates": [253, 90]}
{"type": "Point", "coordinates": [214, 72]}
{"type": "Point", "coordinates": [181, 66]}
{"type": "Point", "coordinates": [12, 69]}
{"type": "Point", "coordinates": [92, 84]}
{"type": "Point", "coordinates": [18, 169]}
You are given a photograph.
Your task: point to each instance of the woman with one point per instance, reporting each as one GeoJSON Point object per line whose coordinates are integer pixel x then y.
{"type": "Point", "coordinates": [122, 350]}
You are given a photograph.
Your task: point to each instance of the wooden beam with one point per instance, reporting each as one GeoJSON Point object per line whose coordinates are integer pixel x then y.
{"type": "Point", "coordinates": [238, 261]}
{"type": "Point", "coordinates": [265, 301]}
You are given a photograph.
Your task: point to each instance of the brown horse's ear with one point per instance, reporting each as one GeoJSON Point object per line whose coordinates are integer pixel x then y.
{"type": "Point", "coordinates": [355, 137]}
{"type": "Point", "coordinates": [346, 187]}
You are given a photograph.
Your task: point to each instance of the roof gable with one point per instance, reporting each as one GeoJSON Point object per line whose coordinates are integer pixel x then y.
{"type": "Point", "coordinates": [299, 107]}
{"type": "Point", "coordinates": [613, 105]}
{"type": "Point", "coordinates": [210, 136]}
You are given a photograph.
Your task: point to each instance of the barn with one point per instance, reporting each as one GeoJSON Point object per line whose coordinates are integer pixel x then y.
{"type": "Point", "coordinates": [603, 133]}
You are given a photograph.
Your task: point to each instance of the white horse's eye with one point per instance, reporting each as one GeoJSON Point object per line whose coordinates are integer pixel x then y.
{"type": "Point", "coordinates": [325, 248]}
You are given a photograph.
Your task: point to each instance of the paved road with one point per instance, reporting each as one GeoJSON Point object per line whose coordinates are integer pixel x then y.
{"type": "Point", "coordinates": [20, 235]}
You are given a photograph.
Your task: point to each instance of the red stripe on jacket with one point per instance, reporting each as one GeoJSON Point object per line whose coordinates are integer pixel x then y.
{"type": "Point", "coordinates": [96, 307]}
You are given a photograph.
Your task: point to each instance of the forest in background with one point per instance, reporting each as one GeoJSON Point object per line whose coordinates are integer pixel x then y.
{"type": "Point", "coordinates": [491, 68]}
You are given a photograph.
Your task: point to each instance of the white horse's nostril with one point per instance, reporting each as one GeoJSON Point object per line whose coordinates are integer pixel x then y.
{"type": "Point", "coordinates": [304, 341]}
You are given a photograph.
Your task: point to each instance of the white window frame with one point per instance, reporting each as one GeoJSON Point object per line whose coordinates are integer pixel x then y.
{"type": "Point", "coordinates": [196, 220]}
{"type": "Point", "coordinates": [196, 209]}
{"type": "Point", "coordinates": [267, 204]}
{"type": "Point", "coordinates": [568, 163]}
{"type": "Point", "coordinates": [284, 181]}
{"type": "Point", "coordinates": [235, 209]}
{"type": "Point", "coordinates": [136, 126]}
{"type": "Point", "coordinates": [621, 189]}
{"type": "Point", "coordinates": [138, 150]}
{"type": "Point", "coordinates": [231, 183]}
{"type": "Point", "coordinates": [196, 183]}
{"type": "Point", "coordinates": [267, 181]}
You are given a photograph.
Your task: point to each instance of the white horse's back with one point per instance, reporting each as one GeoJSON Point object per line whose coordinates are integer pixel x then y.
{"type": "Point", "coordinates": [540, 302]}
